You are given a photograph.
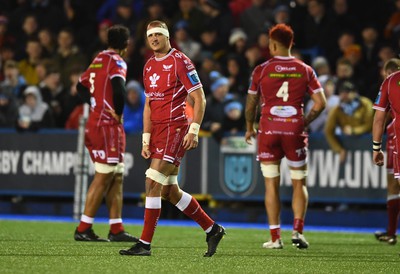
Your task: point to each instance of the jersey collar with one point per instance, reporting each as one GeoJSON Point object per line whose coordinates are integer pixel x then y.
{"type": "Point", "coordinates": [166, 56]}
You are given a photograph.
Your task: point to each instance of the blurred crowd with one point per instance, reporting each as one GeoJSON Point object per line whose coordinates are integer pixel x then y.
{"type": "Point", "coordinates": [46, 44]}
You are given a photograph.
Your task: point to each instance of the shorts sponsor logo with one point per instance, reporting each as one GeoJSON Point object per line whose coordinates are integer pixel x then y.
{"type": "Point", "coordinates": [266, 155]}
{"type": "Point", "coordinates": [159, 150]}
{"type": "Point", "coordinates": [99, 153]}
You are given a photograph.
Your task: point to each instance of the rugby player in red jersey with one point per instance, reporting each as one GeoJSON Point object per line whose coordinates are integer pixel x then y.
{"type": "Point", "coordinates": [393, 186]}
{"type": "Point", "coordinates": [282, 83]}
{"type": "Point", "coordinates": [102, 86]}
{"type": "Point", "coordinates": [169, 76]}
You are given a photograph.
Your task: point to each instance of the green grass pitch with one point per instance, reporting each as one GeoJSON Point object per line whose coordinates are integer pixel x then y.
{"type": "Point", "coordinates": [47, 247]}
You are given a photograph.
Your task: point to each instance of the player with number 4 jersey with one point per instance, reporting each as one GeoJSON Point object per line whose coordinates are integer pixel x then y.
{"type": "Point", "coordinates": [282, 84]}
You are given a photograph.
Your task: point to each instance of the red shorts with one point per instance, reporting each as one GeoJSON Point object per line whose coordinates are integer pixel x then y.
{"type": "Point", "coordinates": [273, 147]}
{"type": "Point", "coordinates": [106, 143]}
{"type": "Point", "coordinates": [390, 146]}
{"type": "Point", "coordinates": [166, 141]}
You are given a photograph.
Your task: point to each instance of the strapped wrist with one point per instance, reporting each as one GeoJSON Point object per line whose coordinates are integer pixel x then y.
{"type": "Point", "coordinates": [194, 128]}
{"type": "Point", "coordinates": [146, 139]}
{"type": "Point", "coordinates": [376, 146]}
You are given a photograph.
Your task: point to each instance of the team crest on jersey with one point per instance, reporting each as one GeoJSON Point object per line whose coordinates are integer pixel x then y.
{"type": "Point", "coordinates": [121, 64]}
{"type": "Point", "coordinates": [167, 67]}
{"type": "Point", "coordinates": [193, 77]}
{"type": "Point", "coordinates": [153, 79]}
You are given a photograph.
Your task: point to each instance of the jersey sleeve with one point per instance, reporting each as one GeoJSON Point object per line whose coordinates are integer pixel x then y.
{"type": "Point", "coordinates": [118, 67]}
{"type": "Point", "coordinates": [254, 81]}
{"type": "Point", "coordinates": [381, 102]}
{"type": "Point", "coordinates": [187, 74]}
{"type": "Point", "coordinates": [314, 86]}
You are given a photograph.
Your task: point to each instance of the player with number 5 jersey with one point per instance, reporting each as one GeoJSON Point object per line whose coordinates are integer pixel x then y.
{"type": "Point", "coordinates": [282, 83]}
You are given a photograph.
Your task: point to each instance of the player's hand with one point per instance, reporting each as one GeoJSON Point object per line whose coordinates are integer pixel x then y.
{"type": "Point", "coordinates": [190, 141]}
{"type": "Point", "coordinates": [249, 135]}
{"type": "Point", "coordinates": [117, 117]}
{"type": "Point", "coordinates": [146, 152]}
{"type": "Point", "coordinates": [378, 158]}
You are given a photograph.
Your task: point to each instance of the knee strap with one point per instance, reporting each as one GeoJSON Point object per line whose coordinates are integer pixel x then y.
{"type": "Point", "coordinates": [103, 168]}
{"type": "Point", "coordinates": [156, 176]}
{"type": "Point", "coordinates": [270, 171]}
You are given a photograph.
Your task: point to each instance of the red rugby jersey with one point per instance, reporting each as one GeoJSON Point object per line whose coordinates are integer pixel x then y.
{"type": "Point", "coordinates": [167, 82]}
{"type": "Point", "coordinates": [283, 83]}
{"type": "Point", "coordinates": [97, 78]}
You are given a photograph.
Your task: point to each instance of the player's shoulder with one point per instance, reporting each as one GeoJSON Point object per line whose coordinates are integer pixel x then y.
{"type": "Point", "coordinates": [394, 76]}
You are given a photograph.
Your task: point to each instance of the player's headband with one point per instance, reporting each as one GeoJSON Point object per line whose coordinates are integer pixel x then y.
{"type": "Point", "coordinates": [163, 31]}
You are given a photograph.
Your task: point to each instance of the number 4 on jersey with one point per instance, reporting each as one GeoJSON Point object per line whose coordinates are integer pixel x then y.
{"type": "Point", "coordinates": [283, 91]}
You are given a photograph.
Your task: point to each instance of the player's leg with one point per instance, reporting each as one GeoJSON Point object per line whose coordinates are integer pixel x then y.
{"type": "Point", "coordinates": [299, 204]}
{"type": "Point", "coordinates": [156, 176]}
{"type": "Point", "coordinates": [393, 207]}
{"type": "Point", "coordinates": [103, 176]}
{"type": "Point", "coordinates": [114, 199]}
{"type": "Point", "coordinates": [271, 173]}
{"type": "Point", "coordinates": [192, 209]}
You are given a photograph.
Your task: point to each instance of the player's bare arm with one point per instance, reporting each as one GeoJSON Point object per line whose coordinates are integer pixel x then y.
{"type": "Point", "coordinates": [250, 114]}
{"type": "Point", "coordinates": [319, 105]}
{"type": "Point", "coordinates": [191, 139]}
{"type": "Point", "coordinates": [146, 130]}
{"type": "Point", "coordinates": [378, 128]}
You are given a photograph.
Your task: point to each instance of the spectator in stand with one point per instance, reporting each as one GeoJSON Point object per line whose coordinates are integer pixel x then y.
{"type": "Point", "coordinates": [13, 80]}
{"type": "Point", "coordinates": [238, 75]}
{"type": "Point", "coordinates": [298, 15]}
{"type": "Point", "coordinates": [208, 64]}
{"type": "Point", "coordinates": [386, 52]}
{"type": "Point", "coordinates": [189, 11]}
{"type": "Point", "coordinates": [392, 26]}
{"type": "Point", "coordinates": [345, 72]}
{"type": "Point", "coordinates": [185, 43]}
{"type": "Point", "coordinates": [124, 14]}
{"type": "Point", "coordinates": [27, 66]}
{"type": "Point", "coordinates": [342, 19]}
{"type": "Point", "coordinates": [48, 42]}
{"type": "Point", "coordinates": [253, 57]}
{"type": "Point", "coordinates": [321, 66]}
{"type": "Point", "coordinates": [238, 43]}
{"type": "Point", "coordinates": [345, 40]}
{"type": "Point", "coordinates": [209, 42]}
{"type": "Point", "coordinates": [53, 94]}
{"type": "Point", "coordinates": [5, 36]}
{"type": "Point", "coordinates": [72, 102]}
{"type": "Point", "coordinates": [318, 28]}
{"type": "Point", "coordinates": [219, 18]}
{"type": "Point", "coordinates": [7, 52]}
{"type": "Point", "coordinates": [8, 109]}
{"type": "Point", "coordinates": [234, 121]}
{"type": "Point", "coordinates": [68, 55]}
{"type": "Point", "coordinates": [100, 42]}
{"type": "Point", "coordinates": [353, 116]}
{"type": "Point", "coordinates": [256, 19]}
{"type": "Point", "coordinates": [133, 111]}
{"type": "Point", "coordinates": [34, 114]}
{"type": "Point", "coordinates": [332, 100]}
{"type": "Point", "coordinates": [281, 15]}
{"type": "Point", "coordinates": [354, 55]}
{"type": "Point", "coordinates": [216, 101]}
{"type": "Point", "coordinates": [30, 28]}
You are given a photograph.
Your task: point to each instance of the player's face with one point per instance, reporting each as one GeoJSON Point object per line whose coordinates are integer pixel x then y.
{"type": "Point", "coordinates": [158, 42]}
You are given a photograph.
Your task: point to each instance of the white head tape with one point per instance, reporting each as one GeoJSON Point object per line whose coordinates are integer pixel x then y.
{"type": "Point", "coordinates": [163, 31]}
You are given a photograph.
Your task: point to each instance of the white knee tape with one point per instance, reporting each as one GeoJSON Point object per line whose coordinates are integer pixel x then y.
{"type": "Point", "coordinates": [119, 168]}
{"type": "Point", "coordinates": [270, 171]}
{"type": "Point", "coordinates": [298, 174]}
{"type": "Point", "coordinates": [103, 168]}
{"type": "Point", "coordinates": [156, 176]}
{"type": "Point", "coordinates": [172, 180]}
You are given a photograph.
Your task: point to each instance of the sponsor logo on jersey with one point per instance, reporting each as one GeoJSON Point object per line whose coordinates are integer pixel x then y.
{"type": "Point", "coordinates": [283, 111]}
{"type": "Point", "coordinates": [95, 66]}
{"type": "Point", "coordinates": [280, 68]}
{"type": "Point", "coordinates": [167, 67]}
{"type": "Point", "coordinates": [153, 79]}
{"type": "Point", "coordinates": [98, 59]}
{"type": "Point", "coordinates": [193, 77]}
{"type": "Point", "coordinates": [121, 64]}
{"type": "Point", "coordinates": [155, 95]}
{"type": "Point", "coordinates": [178, 55]}
{"type": "Point", "coordinates": [285, 75]}
{"type": "Point", "coordinates": [148, 69]}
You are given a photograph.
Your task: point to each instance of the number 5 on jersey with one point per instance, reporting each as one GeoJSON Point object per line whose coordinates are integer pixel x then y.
{"type": "Point", "coordinates": [92, 75]}
{"type": "Point", "coordinates": [283, 91]}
